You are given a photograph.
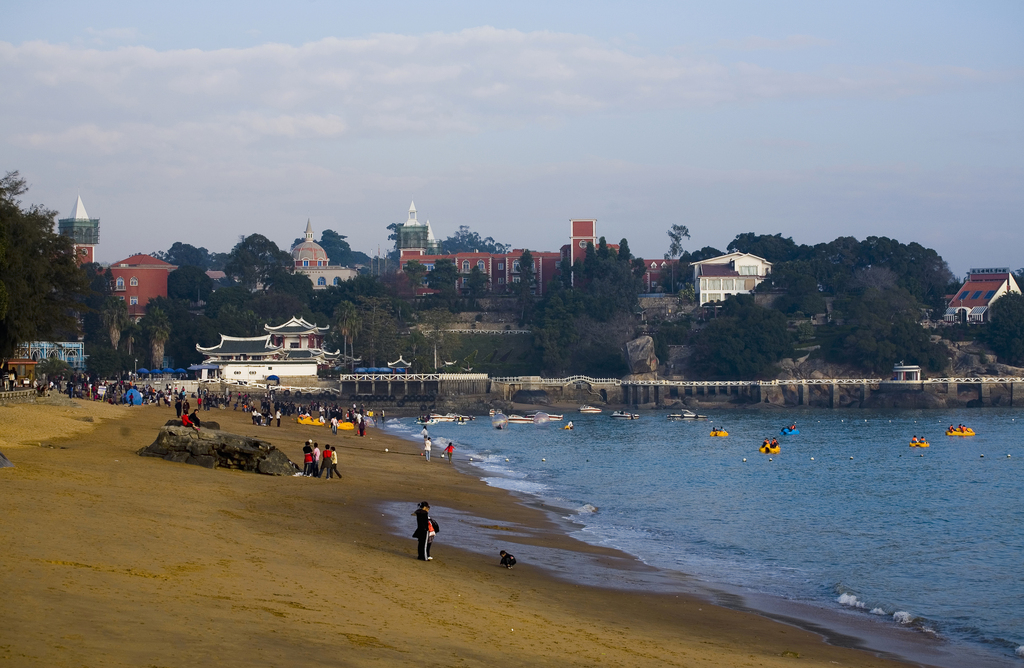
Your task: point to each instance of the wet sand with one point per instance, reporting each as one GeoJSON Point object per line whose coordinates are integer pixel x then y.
{"type": "Point", "coordinates": [112, 559]}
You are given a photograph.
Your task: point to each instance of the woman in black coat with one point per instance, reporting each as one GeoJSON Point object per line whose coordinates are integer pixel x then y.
{"type": "Point", "coordinates": [426, 527]}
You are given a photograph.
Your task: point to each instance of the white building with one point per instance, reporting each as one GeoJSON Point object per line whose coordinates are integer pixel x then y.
{"type": "Point", "coordinates": [717, 278]}
{"type": "Point", "coordinates": [311, 259]}
{"type": "Point", "coordinates": [971, 302]}
{"type": "Point", "coordinates": [292, 350]}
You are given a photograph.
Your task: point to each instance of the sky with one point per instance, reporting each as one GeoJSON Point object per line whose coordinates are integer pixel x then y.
{"type": "Point", "coordinates": [203, 122]}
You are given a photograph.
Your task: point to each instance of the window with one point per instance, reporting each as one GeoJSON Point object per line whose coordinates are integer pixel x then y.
{"type": "Point", "coordinates": [119, 284]}
{"type": "Point", "coordinates": [501, 266]}
{"type": "Point", "coordinates": [515, 279]}
{"type": "Point", "coordinates": [430, 267]}
{"type": "Point", "coordinates": [990, 294]}
{"type": "Point", "coordinates": [134, 301]}
{"type": "Point", "coordinates": [976, 294]}
{"type": "Point", "coordinates": [480, 265]}
{"type": "Point", "coordinates": [515, 265]}
{"type": "Point", "coordinates": [558, 264]}
{"type": "Point", "coordinates": [501, 280]}
{"type": "Point", "coordinates": [321, 281]}
{"type": "Point", "coordinates": [727, 284]}
{"type": "Point", "coordinates": [964, 295]}
{"type": "Point", "coordinates": [337, 280]}
{"type": "Point", "coordinates": [121, 297]}
{"type": "Point", "coordinates": [305, 263]}
{"type": "Point", "coordinates": [134, 282]}
{"type": "Point", "coordinates": [715, 284]}
{"type": "Point", "coordinates": [293, 344]}
{"type": "Point", "coordinates": [465, 266]}
{"type": "Point", "coordinates": [748, 270]}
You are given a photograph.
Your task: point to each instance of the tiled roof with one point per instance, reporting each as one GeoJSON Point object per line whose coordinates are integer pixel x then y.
{"type": "Point", "coordinates": [232, 345]}
{"type": "Point", "coordinates": [717, 270]}
{"type": "Point", "coordinates": [296, 326]}
{"type": "Point", "coordinates": [143, 259]}
{"type": "Point", "coordinates": [976, 293]}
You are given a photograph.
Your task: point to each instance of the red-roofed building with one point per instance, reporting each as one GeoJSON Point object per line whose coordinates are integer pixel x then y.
{"type": "Point", "coordinates": [971, 302]}
{"type": "Point", "coordinates": [138, 279]}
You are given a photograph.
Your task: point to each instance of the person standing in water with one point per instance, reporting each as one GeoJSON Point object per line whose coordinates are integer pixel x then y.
{"type": "Point", "coordinates": [449, 450]}
{"type": "Point", "coordinates": [426, 527]}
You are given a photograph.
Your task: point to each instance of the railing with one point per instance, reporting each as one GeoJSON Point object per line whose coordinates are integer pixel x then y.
{"type": "Point", "coordinates": [557, 381]}
{"type": "Point", "coordinates": [488, 331]}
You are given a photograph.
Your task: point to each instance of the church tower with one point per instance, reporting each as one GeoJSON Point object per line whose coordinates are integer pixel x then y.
{"type": "Point", "coordinates": [83, 230]}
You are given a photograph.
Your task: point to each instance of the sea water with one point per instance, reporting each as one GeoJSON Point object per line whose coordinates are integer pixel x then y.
{"type": "Point", "coordinates": [847, 515]}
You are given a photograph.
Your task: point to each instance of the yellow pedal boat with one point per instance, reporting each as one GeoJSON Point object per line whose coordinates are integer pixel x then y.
{"type": "Point", "coordinates": [960, 432]}
{"type": "Point", "coordinates": [721, 433]}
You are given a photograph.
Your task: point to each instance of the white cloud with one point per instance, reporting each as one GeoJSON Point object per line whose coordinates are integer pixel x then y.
{"type": "Point", "coordinates": [464, 82]}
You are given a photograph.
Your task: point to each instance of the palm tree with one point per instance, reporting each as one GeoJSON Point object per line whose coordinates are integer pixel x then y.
{"type": "Point", "coordinates": [346, 321]}
{"type": "Point", "coordinates": [115, 318]}
{"type": "Point", "coordinates": [159, 328]}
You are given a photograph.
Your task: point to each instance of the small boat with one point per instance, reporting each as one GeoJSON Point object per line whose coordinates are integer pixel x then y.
{"type": "Point", "coordinates": [520, 419]}
{"type": "Point", "coordinates": [546, 417]}
{"type": "Point", "coordinates": [426, 419]}
{"type": "Point", "coordinates": [769, 449]}
{"type": "Point", "coordinates": [686, 415]}
{"type": "Point", "coordinates": [789, 431]}
{"type": "Point", "coordinates": [919, 444]}
{"type": "Point", "coordinates": [966, 431]}
{"type": "Point", "coordinates": [589, 409]}
{"type": "Point", "coordinates": [719, 433]}
{"type": "Point", "coordinates": [625, 415]}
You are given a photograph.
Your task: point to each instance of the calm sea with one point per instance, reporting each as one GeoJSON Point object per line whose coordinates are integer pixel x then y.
{"type": "Point", "coordinates": [847, 515]}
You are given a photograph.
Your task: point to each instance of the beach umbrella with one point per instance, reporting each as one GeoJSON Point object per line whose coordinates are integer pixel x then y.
{"type": "Point", "coordinates": [273, 378]}
{"type": "Point", "coordinates": [180, 371]}
{"type": "Point", "coordinates": [142, 371]}
{"type": "Point", "coordinates": [168, 370]}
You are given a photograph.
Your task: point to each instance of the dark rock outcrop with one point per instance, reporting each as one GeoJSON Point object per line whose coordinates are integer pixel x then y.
{"type": "Point", "coordinates": [539, 397]}
{"type": "Point", "coordinates": [4, 462]}
{"type": "Point", "coordinates": [213, 448]}
{"type": "Point", "coordinates": [206, 424]}
{"type": "Point", "coordinates": [640, 357]}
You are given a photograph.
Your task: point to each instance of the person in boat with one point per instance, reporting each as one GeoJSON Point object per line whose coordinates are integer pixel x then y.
{"type": "Point", "coordinates": [569, 426]}
{"type": "Point", "coordinates": [792, 427]}
{"type": "Point", "coordinates": [766, 444]}
{"type": "Point", "coordinates": [913, 439]}
{"type": "Point", "coordinates": [775, 443]}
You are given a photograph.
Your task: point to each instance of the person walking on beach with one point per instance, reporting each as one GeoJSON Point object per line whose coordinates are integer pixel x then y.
{"type": "Point", "coordinates": [426, 448]}
{"type": "Point", "coordinates": [279, 417]}
{"type": "Point", "coordinates": [316, 460]}
{"type": "Point", "coordinates": [449, 450]}
{"type": "Point", "coordinates": [426, 527]}
{"type": "Point", "coordinates": [177, 407]}
{"type": "Point", "coordinates": [334, 424]}
{"type": "Point", "coordinates": [334, 461]}
{"type": "Point", "coordinates": [362, 425]}
{"type": "Point", "coordinates": [307, 458]}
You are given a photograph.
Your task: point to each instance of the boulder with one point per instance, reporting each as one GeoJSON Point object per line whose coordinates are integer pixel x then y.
{"type": "Point", "coordinates": [207, 424]}
{"type": "Point", "coordinates": [4, 462]}
{"type": "Point", "coordinates": [212, 448]}
{"type": "Point", "coordinates": [640, 357]}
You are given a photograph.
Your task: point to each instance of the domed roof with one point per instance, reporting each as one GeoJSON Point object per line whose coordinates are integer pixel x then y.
{"type": "Point", "coordinates": [309, 249]}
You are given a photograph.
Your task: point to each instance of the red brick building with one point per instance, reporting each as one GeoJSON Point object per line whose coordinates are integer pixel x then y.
{"type": "Point", "coordinates": [138, 279]}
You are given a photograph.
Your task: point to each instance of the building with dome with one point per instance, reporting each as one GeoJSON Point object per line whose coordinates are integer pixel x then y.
{"type": "Point", "coordinates": [311, 259]}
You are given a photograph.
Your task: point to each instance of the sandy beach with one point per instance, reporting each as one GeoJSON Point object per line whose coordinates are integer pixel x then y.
{"type": "Point", "coordinates": [111, 559]}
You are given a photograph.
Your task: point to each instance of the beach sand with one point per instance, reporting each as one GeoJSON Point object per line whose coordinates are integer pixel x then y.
{"type": "Point", "coordinates": [111, 559]}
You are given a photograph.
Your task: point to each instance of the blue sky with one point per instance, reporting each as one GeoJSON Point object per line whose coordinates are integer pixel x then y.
{"type": "Point", "coordinates": [200, 122]}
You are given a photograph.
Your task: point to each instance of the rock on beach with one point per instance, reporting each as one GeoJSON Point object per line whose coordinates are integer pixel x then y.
{"type": "Point", "coordinates": [213, 448]}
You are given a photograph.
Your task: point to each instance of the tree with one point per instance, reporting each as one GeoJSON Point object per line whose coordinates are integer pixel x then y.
{"type": "Point", "coordinates": [435, 322]}
{"type": "Point", "coordinates": [158, 327]}
{"type": "Point", "coordinates": [773, 248]}
{"type": "Point", "coordinates": [186, 255]}
{"type": "Point", "coordinates": [676, 233]}
{"type": "Point", "coordinates": [189, 282]}
{"type": "Point", "coordinates": [465, 241]}
{"type": "Point", "coordinates": [444, 278]}
{"type": "Point", "coordinates": [42, 284]}
{"type": "Point", "coordinates": [346, 322]}
{"type": "Point", "coordinates": [523, 290]}
{"type": "Point", "coordinates": [745, 342]}
{"type": "Point", "coordinates": [254, 260]}
{"type": "Point", "coordinates": [52, 367]}
{"type": "Point", "coordinates": [115, 319]}
{"type": "Point", "coordinates": [379, 333]}
{"type": "Point", "coordinates": [338, 250]}
{"type": "Point", "coordinates": [477, 282]}
{"type": "Point", "coordinates": [1005, 331]}
{"type": "Point", "coordinates": [415, 271]}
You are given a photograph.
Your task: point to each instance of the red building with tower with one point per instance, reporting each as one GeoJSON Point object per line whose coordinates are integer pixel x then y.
{"type": "Point", "coordinates": [138, 279]}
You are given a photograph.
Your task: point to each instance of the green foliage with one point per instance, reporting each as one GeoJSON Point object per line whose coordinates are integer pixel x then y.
{"type": "Point", "coordinates": [523, 290]}
{"type": "Point", "coordinates": [115, 318]}
{"type": "Point", "coordinates": [477, 282]}
{"type": "Point", "coordinates": [189, 282]}
{"type": "Point", "coordinates": [157, 327]}
{"type": "Point", "coordinates": [52, 367]}
{"type": "Point", "coordinates": [465, 241]}
{"type": "Point", "coordinates": [1005, 331]}
{"type": "Point", "coordinates": [254, 260]}
{"type": "Point", "coordinates": [339, 251]}
{"type": "Point", "coordinates": [43, 286]}
{"type": "Point", "coordinates": [506, 355]}
{"type": "Point", "coordinates": [745, 341]}
{"type": "Point", "coordinates": [378, 339]}
{"type": "Point", "coordinates": [186, 255]}
{"type": "Point", "coordinates": [444, 278]}
{"type": "Point", "coordinates": [676, 234]}
{"type": "Point", "coordinates": [771, 247]}
{"type": "Point", "coordinates": [880, 328]}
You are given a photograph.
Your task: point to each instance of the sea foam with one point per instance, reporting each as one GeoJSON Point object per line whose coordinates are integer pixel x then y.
{"type": "Point", "coordinates": [902, 617]}
{"type": "Point", "coordinates": [851, 601]}
{"type": "Point", "coordinates": [1020, 651]}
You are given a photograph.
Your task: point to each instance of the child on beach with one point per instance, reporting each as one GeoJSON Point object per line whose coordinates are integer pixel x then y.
{"type": "Point", "coordinates": [507, 560]}
{"type": "Point", "coordinates": [449, 450]}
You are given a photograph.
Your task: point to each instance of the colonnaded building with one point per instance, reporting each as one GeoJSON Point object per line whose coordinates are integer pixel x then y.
{"type": "Point", "coordinates": [292, 351]}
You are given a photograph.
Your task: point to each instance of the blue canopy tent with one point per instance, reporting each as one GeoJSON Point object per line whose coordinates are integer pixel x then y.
{"type": "Point", "coordinates": [133, 397]}
{"type": "Point", "coordinates": [142, 371]}
{"type": "Point", "coordinates": [272, 377]}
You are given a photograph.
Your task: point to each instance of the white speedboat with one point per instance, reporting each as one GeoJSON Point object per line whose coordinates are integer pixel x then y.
{"type": "Point", "coordinates": [625, 415]}
{"type": "Point", "coordinates": [545, 417]}
{"type": "Point", "coordinates": [520, 419]}
{"type": "Point", "coordinates": [589, 409]}
{"type": "Point", "coordinates": [686, 415]}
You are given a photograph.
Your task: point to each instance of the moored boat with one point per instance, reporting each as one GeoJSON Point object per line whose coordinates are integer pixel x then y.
{"type": "Point", "coordinates": [520, 419]}
{"type": "Point", "coordinates": [625, 415]}
{"type": "Point", "coordinates": [686, 415]}
{"type": "Point", "coordinates": [589, 409]}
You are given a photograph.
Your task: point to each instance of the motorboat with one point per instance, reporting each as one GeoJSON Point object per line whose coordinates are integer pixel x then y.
{"type": "Point", "coordinates": [589, 409]}
{"type": "Point", "coordinates": [625, 415]}
{"type": "Point", "coordinates": [546, 417]}
{"type": "Point", "coordinates": [520, 419]}
{"type": "Point", "coordinates": [686, 415]}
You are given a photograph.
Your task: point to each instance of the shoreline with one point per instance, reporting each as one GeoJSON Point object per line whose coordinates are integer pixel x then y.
{"type": "Point", "coordinates": [124, 560]}
{"type": "Point", "coordinates": [838, 626]}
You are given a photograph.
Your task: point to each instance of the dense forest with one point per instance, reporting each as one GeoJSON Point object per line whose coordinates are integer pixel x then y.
{"type": "Point", "coordinates": [874, 294]}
